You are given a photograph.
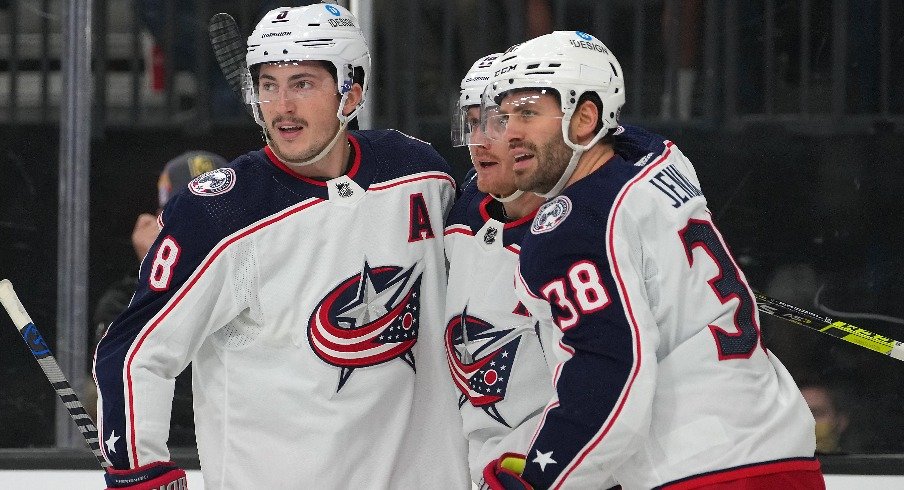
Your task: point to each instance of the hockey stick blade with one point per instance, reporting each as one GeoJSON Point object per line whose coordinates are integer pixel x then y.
{"type": "Point", "coordinates": [835, 328]}
{"type": "Point", "coordinates": [229, 49]}
{"type": "Point", "coordinates": [51, 368]}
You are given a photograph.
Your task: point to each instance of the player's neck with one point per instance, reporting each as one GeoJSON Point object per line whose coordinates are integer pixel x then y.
{"type": "Point", "coordinates": [336, 162]}
{"type": "Point", "coordinates": [522, 206]}
{"type": "Point", "coordinates": [591, 160]}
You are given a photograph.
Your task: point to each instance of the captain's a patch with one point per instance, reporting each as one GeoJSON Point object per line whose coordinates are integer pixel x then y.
{"type": "Point", "coordinates": [213, 183]}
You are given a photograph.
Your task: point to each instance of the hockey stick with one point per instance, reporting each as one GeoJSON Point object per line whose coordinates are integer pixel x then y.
{"type": "Point", "coordinates": [828, 326]}
{"type": "Point", "coordinates": [229, 49]}
{"type": "Point", "coordinates": [51, 368]}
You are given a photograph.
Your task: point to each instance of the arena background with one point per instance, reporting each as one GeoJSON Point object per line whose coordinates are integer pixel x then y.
{"type": "Point", "coordinates": [791, 111]}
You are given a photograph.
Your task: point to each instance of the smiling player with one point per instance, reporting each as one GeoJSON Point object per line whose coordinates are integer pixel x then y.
{"type": "Point", "coordinates": [305, 284]}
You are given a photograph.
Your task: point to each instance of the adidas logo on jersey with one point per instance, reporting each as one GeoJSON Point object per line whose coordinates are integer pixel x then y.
{"type": "Point", "coordinates": [643, 161]}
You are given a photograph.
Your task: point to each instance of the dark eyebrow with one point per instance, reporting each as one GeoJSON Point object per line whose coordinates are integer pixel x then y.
{"type": "Point", "coordinates": [293, 77]}
{"type": "Point", "coordinates": [303, 75]}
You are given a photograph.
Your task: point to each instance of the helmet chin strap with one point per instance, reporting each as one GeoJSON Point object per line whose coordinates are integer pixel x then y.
{"type": "Point", "coordinates": [511, 197]}
{"type": "Point", "coordinates": [569, 171]}
{"type": "Point", "coordinates": [343, 122]}
{"type": "Point", "coordinates": [577, 152]}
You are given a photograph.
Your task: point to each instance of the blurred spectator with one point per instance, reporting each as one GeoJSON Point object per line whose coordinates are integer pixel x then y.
{"type": "Point", "coordinates": [831, 415]}
{"type": "Point", "coordinates": [178, 31]}
{"type": "Point", "coordinates": [176, 175]}
{"type": "Point", "coordinates": [539, 18]}
{"type": "Point", "coordinates": [794, 283]}
{"type": "Point", "coordinates": [681, 31]}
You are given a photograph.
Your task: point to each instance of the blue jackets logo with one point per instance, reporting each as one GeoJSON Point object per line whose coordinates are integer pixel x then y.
{"type": "Point", "coordinates": [551, 215]}
{"type": "Point", "coordinates": [215, 182]}
{"type": "Point", "coordinates": [370, 318]}
{"type": "Point", "coordinates": [482, 376]}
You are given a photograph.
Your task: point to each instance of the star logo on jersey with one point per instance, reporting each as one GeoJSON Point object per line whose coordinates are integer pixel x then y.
{"type": "Point", "coordinates": [543, 459]}
{"type": "Point", "coordinates": [480, 359]}
{"type": "Point", "coordinates": [111, 442]}
{"type": "Point", "coordinates": [370, 318]}
{"type": "Point", "coordinates": [550, 215]}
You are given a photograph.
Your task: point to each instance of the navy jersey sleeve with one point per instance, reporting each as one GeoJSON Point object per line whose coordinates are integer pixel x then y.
{"type": "Point", "coordinates": [565, 266]}
{"type": "Point", "coordinates": [183, 293]}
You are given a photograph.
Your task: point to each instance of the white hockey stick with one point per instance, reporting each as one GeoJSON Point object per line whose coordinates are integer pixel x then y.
{"type": "Point", "coordinates": [51, 368]}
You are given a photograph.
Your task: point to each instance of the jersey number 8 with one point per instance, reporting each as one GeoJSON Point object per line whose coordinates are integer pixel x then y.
{"type": "Point", "coordinates": [164, 260]}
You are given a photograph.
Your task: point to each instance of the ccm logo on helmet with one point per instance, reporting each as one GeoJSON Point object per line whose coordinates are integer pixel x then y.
{"type": "Point", "coordinates": [504, 69]}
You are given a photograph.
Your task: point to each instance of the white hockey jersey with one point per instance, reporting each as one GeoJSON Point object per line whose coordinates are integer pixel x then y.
{"type": "Point", "coordinates": [495, 355]}
{"type": "Point", "coordinates": [312, 314]}
{"type": "Point", "coordinates": [661, 375]}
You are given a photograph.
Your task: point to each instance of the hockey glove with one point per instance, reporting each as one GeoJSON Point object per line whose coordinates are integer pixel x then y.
{"type": "Point", "coordinates": [505, 474]}
{"type": "Point", "coordinates": [148, 477]}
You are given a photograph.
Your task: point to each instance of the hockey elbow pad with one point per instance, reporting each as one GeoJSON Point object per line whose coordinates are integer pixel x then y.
{"type": "Point", "coordinates": [154, 476]}
{"type": "Point", "coordinates": [505, 474]}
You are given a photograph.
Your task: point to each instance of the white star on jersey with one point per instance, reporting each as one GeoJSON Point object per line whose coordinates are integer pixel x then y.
{"type": "Point", "coordinates": [111, 442]}
{"type": "Point", "coordinates": [544, 459]}
{"type": "Point", "coordinates": [371, 304]}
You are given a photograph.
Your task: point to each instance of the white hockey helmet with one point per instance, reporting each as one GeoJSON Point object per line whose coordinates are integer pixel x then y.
{"type": "Point", "coordinates": [321, 32]}
{"type": "Point", "coordinates": [472, 86]}
{"type": "Point", "coordinates": [571, 63]}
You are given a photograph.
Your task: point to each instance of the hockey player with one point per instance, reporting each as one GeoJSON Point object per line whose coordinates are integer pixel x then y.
{"type": "Point", "coordinates": [661, 378]}
{"type": "Point", "coordinates": [494, 353]}
{"type": "Point", "coordinates": [305, 283]}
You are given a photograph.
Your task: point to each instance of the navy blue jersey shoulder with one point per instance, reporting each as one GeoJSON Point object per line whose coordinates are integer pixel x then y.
{"type": "Point", "coordinates": [634, 143]}
{"type": "Point", "coordinates": [589, 201]}
{"type": "Point", "coordinates": [259, 189]}
{"type": "Point", "coordinates": [398, 154]}
{"type": "Point", "coordinates": [592, 198]}
{"type": "Point", "coordinates": [594, 195]}
{"type": "Point", "coordinates": [468, 199]}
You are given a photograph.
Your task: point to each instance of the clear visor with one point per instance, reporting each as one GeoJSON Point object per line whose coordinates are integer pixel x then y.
{"type": "Point", "coordinates": [466, 128]}
{"type": "Point", "coordinates": [298, 86]}
{"type": "Point", "coordinates": [523, 107]}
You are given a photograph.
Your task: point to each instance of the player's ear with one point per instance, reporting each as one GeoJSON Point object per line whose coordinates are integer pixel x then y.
{"type": "Point", "coordinates": [353, 98]}
{"type": "Point", "coordinates": [584, 122]}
